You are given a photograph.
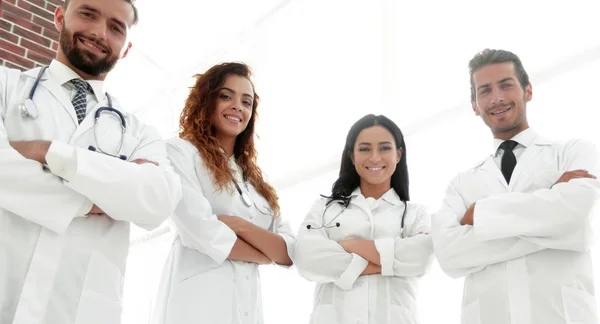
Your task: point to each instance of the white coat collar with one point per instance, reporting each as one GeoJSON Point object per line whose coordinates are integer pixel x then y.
{"type": "Point", "coordinates": [62, 74]}
{"type": "Point", "coordinates": [533, 146]}
{"type": "Point", "coordinates": [524, 138]}
{"type": "Point", "coordinates": [390, 196]}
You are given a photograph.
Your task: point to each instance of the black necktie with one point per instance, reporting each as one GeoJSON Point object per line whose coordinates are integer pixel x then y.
{"type": "Point", "coordinates": [508, 159]}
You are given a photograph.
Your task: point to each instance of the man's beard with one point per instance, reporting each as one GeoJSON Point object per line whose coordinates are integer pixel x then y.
{"type": "Point", "coordinates": [82, 59]}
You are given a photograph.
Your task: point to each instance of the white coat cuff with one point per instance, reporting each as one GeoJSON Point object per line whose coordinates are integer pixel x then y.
{"type": "Point", "coordinates": [385, 247]}
{"type": "Point", "coordinates": [484, 227]}
{"type": "Point", "coordinates": [289, 244]}
{"type": "Point", "coordinates": [61, 159]}
{"type": "Point", "coordinates": [356, 267]}
{"type": "Point", "coordinates": [222, 244]}
{"type": "Point", "coordinates": [85, 208]}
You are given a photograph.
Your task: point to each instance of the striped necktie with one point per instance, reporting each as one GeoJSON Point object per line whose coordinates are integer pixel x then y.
{"type": "Point", "coordinates": [79, 100]}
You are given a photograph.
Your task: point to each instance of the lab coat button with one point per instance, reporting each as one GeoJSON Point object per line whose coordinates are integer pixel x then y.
{"type": "Point", "coordinates": [247, 277]}
{"type": "Point", "coordinates": [246, 313]}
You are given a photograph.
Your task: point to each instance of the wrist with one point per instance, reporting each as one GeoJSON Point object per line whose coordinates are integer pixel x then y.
{"type": "Point", "coordinates": [42, 150]}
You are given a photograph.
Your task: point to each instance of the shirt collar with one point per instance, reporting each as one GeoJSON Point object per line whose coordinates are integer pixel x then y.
{"type": "Point", "coordinates": [63, 74]}
{"type": "Point", "coordinates": [524, 138]}
{"type": "Point", "coordinates": [389, 196]}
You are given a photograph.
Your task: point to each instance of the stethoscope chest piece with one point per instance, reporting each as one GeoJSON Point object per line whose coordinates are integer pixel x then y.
{"type": "Point", "coordinates": [28, 109]}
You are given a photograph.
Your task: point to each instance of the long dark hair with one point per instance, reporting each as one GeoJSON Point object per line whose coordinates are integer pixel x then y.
{"type": "Point", "coordinates": [349, 179]}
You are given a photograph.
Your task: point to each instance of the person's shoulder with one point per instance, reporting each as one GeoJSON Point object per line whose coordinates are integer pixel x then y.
{"type": "Point", "coordinates": [181, 144]}
{"type": "Point", "coordinates": [415, 205]}
{"type": "Point", "coordinates": [131, 118]}
{"type": "Point", "coordinates": [7, 70]}
{"type": "Point", "coordinates": [186, 149]}
{"type": "Point", "coordinates": [468, 176]}
{"type": "Point", "coordinates": [569, 146]}
{"type": "Point", "coordinates": [576, 145]}
{"type": "Point", "coordinates": [116, 104]}
{"type": "Point", "coordinates": [417, 208]}
{"type": "Point", "coordinates": [7, 73]}
{"type": "Point", "coordinates": [471, 170]}
{"type": "Point", "coordinates": [320, 202]}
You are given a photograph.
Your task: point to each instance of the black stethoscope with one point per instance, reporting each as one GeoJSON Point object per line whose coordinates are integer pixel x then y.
{"type": "Point", "coordinates": [345, 203]}
{"type": "Point", "coordinates": [29, 109]}
{"type": "Point", "coordinates": [246, 197]}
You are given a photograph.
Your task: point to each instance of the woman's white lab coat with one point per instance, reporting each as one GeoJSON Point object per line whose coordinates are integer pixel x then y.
{"type": "Point", "coordinates": [57, 265]}
{"type": "Point", "coordinates": [199, 284]}
{"type": "Point", "coordinates": [343, 296]}
{"type": "Point", "coordinates": [527, 258]}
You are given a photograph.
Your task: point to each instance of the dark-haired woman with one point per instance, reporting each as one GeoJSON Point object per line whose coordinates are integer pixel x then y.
{"type": "Point", "coordinates": [227, 222]}
{"type": "Point", "coordinates": [364, 245]}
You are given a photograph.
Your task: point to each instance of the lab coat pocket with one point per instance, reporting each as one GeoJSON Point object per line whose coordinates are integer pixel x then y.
{"type": "Point", "coordinates": [101, 295]}
{"type": "Point", "coordinates": [206, 297]}
{"type": "Point", "coordinates": [471, 314]}
{"type": "Point", "coordinates": [579, 306]}
{"type": "Point", "coordinates": [324, 314]}
{"type": "Point", "coordinates": [401, 314]}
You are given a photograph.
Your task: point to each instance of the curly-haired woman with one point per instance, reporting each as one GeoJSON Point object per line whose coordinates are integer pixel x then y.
{"type": "Point", "coordinates": [227, 222]}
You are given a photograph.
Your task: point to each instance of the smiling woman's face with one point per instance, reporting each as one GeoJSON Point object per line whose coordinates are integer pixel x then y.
{"type": "Point", "coordinates": [233, 108]}
{"type": "Point", "coordinates": [375, 156]}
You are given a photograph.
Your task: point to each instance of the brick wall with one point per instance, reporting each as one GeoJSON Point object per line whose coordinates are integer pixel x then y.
{"type": "Point", "coordinates": [28, 37]}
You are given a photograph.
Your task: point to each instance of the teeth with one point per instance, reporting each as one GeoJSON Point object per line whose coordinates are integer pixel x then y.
{"type": "Point", "coordinates": [233, 118]}
{"type": "Point", "coordinates": [92, 45]}
{"type": "Point", "coordinates": [374, 169]}
{"type": "Point", "coordinates": [499, 112]}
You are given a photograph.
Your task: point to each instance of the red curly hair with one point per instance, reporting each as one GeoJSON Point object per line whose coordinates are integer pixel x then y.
{"type": "Point", "coordinates": [195, 125]}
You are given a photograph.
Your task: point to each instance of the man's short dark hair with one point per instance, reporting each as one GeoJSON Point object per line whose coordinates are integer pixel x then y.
{"type": "Point", "coordinates": [493, 56]}
{"type": "Point", "coordinates": [131, 2]}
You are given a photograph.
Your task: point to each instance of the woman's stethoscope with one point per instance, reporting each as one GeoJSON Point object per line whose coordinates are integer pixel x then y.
{"type": "Point", "coordinates": [29, 109]}
{"type": "Point", "coordinates": [345, 203]}
{"type": "Point", "coordinates": [247, 200]}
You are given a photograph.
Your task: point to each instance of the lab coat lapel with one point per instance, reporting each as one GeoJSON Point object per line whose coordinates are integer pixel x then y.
{"type": "Point", "coordinates": [490, 167]}
{"type": "Point", "coordinates": [528, 157]}
{"type": "Point", "coordinates": [56, 90]}
{"type": "Point", "coordinates": [87, 123]}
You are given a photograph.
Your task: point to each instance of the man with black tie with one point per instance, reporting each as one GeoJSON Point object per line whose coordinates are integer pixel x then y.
{"type": "Point", "coordinates": [517, 226]}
